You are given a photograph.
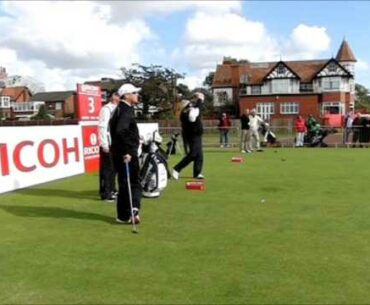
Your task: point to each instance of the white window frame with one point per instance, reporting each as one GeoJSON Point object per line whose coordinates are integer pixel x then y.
{"type": "Point", "coordinates": [265, 110]}
{"type": "Point", "coordinates": [58, 106]}
{"type": "Point", "coordinates": [280, 85]}
{"type": "Point", "coordinates": [328, 83]}
{"type": "Point", "coordinates": [340, 105]}
{"type": "Point", "coordinates": [289, 108]}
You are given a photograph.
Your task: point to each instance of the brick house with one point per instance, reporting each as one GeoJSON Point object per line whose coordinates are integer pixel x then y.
{"type": "Point", "coordinates": [11, 97]}
{"type": "Point", "coordinates": [60, 104]}
{"type": "Point", "coordinates": [283, 89]}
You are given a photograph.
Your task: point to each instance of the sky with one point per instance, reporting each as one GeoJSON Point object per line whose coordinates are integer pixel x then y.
{"type": "Point", "coordinates": [61, 43]}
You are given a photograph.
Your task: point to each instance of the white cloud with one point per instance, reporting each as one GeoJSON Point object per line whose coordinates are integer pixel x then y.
{"type": "Point", "coordinates": [362, 65]}
{"type": "Point", "coordinates": [307, 42]}
{"type": "Point", "coordinates": [209, 37]}
{"type": "Point", "coordinates": [64, 37]}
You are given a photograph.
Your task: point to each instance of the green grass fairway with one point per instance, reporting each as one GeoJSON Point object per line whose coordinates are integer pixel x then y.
{"type": "Point", "coordinates": [307, 243]}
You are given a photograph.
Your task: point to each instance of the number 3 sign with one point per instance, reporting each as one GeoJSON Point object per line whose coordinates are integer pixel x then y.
{"type": "Point", "coordinates": [88, 102]}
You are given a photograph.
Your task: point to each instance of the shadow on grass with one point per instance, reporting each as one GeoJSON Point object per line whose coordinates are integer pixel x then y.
{"type": "Point", "coordinates": [86, 194]}
{"type": "Point", "coordinates": [51, 212]}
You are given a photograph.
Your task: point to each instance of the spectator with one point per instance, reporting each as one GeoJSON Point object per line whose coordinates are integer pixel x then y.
{"type": "Point", "coordinates": [348, 121]}
{"type": "Point", "coordinates": [107, 173]}
{"type": "Point", "coordinates": [301, 129]}
{"type": "Point", "coordinates": [224, 127]}
{"type": "Point", "coordinates": [191, 121]}
{"type": "Point", "coordinates": [245, 134]}
{"type": "Point", "coordinates": [356, 127]}
{"type": "Point", "coordinates": [254, 124]}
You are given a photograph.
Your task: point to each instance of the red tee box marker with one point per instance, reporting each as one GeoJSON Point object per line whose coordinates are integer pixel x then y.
{"type": "Point", "coordinates": [195, 185]}
{"type": "Point", "coordinates": [237, 159]}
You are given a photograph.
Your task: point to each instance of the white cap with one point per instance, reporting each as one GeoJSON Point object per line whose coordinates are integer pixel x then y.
{"type": "Point", "coordinates": [184, 103]}
{"type": "Point", "coordinates": [127, 89]}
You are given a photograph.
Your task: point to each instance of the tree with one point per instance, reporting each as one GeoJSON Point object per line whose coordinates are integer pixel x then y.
{"type": "Point", "coordinates": [159, 86]}
{"type": "Point", "coordinates": [208, 81]}
{"type": "Point", "coordinates": [42, 114]}
{"type": "Point", "coordinates": [362, 97]}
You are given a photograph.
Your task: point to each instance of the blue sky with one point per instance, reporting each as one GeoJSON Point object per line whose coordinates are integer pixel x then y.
{"type": "Point", "coordinates": [189, 36]}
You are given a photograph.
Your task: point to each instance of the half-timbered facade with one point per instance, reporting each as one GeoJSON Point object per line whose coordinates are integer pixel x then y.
{"type": "Point", "coordinates": [285, 89]}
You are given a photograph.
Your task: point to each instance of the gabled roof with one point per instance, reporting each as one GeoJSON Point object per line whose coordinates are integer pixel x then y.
{"type": "Point", "coordinates": [55, 96]}
{"type": "Point", "coordinates": [14, 92]}
{"type": "Point", "coordinates": [305, 70]}
{"type": "Point", "coordinates": [338, 64]}
{"type": "Point", "coordinates": [284, 64]}
{"type": "Point", "coordinates": [345, 53]}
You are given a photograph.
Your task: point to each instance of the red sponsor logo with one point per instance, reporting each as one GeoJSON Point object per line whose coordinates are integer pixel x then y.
{"type": "Point", "coordinates": [40, 153]}
{"type": "Point", "coordinates": [91, 148]}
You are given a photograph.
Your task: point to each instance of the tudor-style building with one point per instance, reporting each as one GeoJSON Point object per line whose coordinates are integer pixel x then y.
{"type": "Point", "coordinates": [284, 89]}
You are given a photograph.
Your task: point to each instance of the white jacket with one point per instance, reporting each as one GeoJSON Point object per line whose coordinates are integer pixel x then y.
{"type": "Point", "coordinates": [105, 114]}
{"type": "Point", "coordinates": [255, 122]}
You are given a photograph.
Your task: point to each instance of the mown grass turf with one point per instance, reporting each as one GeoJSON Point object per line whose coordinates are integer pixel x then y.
{"type": "Point", "coordinates": [309, 242]}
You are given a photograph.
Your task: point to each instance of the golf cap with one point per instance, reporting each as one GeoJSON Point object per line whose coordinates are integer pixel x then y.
{"type": "Point", "coordinates": [128, 89]}
{"type": "Point", "coordinates": [184, 103]}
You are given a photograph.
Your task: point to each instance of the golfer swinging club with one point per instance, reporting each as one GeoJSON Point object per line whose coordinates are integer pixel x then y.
{"type": "Point", "coordinates": [191, 121]}
{"type": "Point", "coordinates": [125, 144]}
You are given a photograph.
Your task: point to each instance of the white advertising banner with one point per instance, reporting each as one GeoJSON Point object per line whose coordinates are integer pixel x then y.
{"type": "Point", "coordinates": [32, 155]}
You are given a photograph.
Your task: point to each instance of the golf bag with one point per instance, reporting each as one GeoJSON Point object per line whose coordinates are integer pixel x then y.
{"type": "Point", "coordinates": [268, 136]}
{"type": "Point", "coordinates": [172, 144]}
{"type": "Point", "coordinates": [314, 139]}
{"type": "Point", "coordinates": [153, 167]}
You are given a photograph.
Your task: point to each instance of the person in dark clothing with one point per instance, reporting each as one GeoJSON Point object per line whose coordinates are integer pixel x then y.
{"type": "Point", "coordinates": [184, 108]}
{"type": "Point", "coordinates": [125, 144]}
{"type": "Point", "coordinates": [365, 130]}
{"type": "Point", "coordinates": [245, 135]}
{"type": "Point", "coordinates": [191, 121]}
{"type": "Point", "coordinates": [356, 127]}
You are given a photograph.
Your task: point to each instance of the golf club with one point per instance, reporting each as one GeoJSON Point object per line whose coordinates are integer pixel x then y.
{"type": "Point", "coordinates": [134, 229]}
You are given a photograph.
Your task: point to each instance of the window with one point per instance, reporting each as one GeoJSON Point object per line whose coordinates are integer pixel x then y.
{"type": "Point", "coordinates": [280, 69]}
{"type": "Point", "coordinates": [332, 108]}
{"type": "Point", "coordinates": [332, 67]}
{"type": "Point", "coordinates": [58, 106]}
{"type": "Point", "coordinates": [289, 108]}
{"type": "Point", "coordinates": [280, 86]}
{"type": "Point", "coordinates": [331, 83]}
{"type": "Point", "coordinates": [222, 97]}
{"type": "Point", "coordinates": [265, 110]}
{"type": "Point", "coordinates": [305, 87]}
{"type": "Point", "coordinates": [256, 90]}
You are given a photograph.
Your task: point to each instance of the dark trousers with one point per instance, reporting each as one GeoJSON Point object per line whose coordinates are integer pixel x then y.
{"type": "Point", "coordinates": [123, 200]}
{"type": "Point", "coordinates": [107, 175]}
{"type": "Point", "coordinates": [195, 154]}
{"type": "Point", "coordinates": [185, 141]}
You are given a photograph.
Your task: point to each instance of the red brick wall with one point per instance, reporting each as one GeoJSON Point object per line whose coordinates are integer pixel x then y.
{"type": "Point", "coordinates": [308, 104]}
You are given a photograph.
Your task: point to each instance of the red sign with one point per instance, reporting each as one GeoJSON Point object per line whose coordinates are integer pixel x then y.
{"type": "Point", "coordinates": [89, 102]}
{"type": "Point", "coordinates": [91, 148]}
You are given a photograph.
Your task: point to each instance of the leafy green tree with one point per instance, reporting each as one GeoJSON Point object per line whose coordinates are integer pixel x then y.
{"type": "Point", "coordinates": [159, 85]}
{"type": "Point", "coordinates": [42, 114]}
{"type": "Point", "coordinates": [208, 81]}
{"type": "Point", "coordinates": [362, 97]}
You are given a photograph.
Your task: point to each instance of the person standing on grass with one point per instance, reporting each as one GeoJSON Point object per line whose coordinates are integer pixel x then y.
{"type": "Point", "coordinates": [356, 127]}
{"type": "Point", "coordinates": [125, 145]}
{"type": "Point", "coordinates": [348, 121]}
{"type": "Point", "coordinates": [107, 173]}
{"type": "Point", "coordinates": [301, 129]}
{"type": "Point", "coordinates": [255, 122]}
{"type": "Point", "coordinates": [224, 126]}
{"type": "Point", "coordinates": [245, 135]}
{"type": "Point", "coordinates": [192, 126]}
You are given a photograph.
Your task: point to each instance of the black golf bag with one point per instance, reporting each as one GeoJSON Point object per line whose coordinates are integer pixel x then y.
{"type": "Point", "coordinates": [317, 138]}
{"type": "Point", "coordinates": [171, 145]}
{"type": "Point", "coordinates": [153, 167]}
